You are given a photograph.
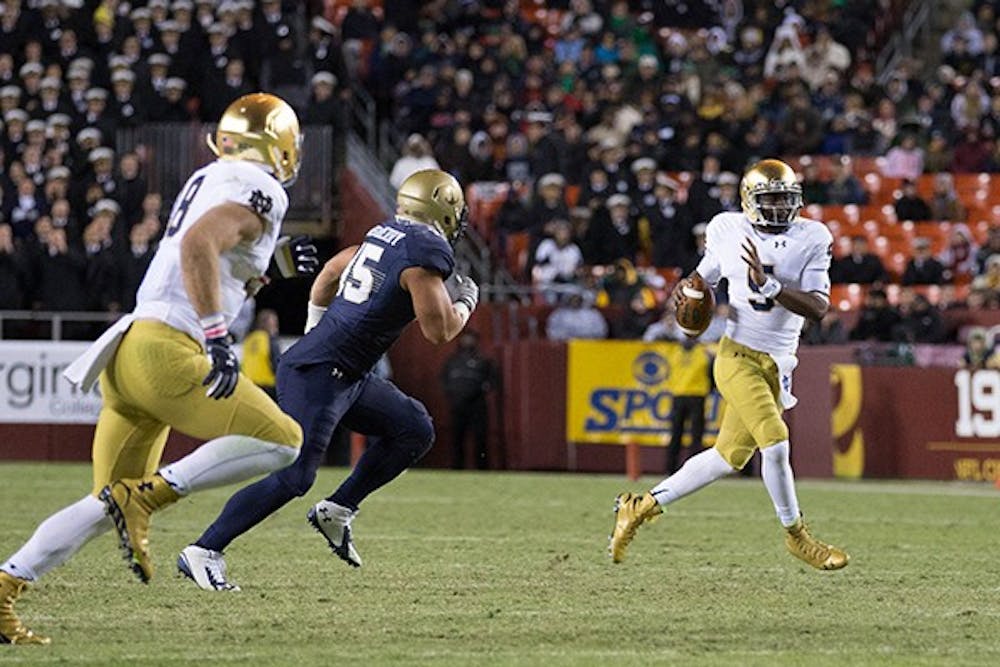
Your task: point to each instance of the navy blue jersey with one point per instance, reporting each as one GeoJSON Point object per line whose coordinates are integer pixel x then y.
{"type": "Point", "coordinates": [371, 308]}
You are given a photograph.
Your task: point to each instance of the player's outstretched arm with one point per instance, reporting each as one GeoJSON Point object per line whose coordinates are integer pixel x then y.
{"type": "Point", "coordinates": [440, 320]}
{"type": "Point", "coordinates": [324, 288]}
{"type": "Point", "coordinates": [215, 232]}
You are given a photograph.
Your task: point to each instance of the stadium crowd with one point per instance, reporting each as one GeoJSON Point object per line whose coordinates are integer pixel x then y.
{"type": "Point", "coordinates": [78, 222]}
{"type": "Point", "coordinates": [619, 127]}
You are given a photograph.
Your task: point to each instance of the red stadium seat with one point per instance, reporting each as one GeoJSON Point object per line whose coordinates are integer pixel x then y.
{"type": "Point", "coordinates": [847, 297]}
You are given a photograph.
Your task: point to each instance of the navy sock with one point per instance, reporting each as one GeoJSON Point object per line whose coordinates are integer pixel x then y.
{"type": "Point", "coordinates": [248, 507]}
{"type": "Point", "coordinates": [380, 464]}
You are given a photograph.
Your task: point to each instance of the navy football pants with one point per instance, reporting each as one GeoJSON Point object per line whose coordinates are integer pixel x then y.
{"type": "Point", "coordinates": [400, 433]}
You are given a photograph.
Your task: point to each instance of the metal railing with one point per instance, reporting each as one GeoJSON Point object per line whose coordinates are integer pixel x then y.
{"type": "Point", "coordinates": [54, 325]}
{"type": "Point", "coordinates": [916, 21]}
{"type": "Point", "coordinates": [171, 151]}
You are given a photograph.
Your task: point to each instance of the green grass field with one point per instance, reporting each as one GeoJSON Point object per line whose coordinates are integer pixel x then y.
{"type": "Point", "coordinates": [466, 568]}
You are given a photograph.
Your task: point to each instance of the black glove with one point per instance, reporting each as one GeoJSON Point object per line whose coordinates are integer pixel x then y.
{"type": "Point", "coordinates": [221, 380]}
{"type": "Point", "coordinates": [293, 257]}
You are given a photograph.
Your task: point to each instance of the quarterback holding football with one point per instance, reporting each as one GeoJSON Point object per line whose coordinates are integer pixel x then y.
{"type": "Point", "coordinates": [777, 265]}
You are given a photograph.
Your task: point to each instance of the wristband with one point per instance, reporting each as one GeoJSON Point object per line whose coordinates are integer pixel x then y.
{"type": "Point", "coordinates": [214, 326]}
{"type": "Point", "coordinates": [771, 288]}
{"type": "Point", "coordinates": [463, 310]}
{"type": "Point", "coordinates": [314, 314]}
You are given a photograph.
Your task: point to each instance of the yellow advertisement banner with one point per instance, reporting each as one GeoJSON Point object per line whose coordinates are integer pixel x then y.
{"type": "Point", "coordinates": [622, 391]}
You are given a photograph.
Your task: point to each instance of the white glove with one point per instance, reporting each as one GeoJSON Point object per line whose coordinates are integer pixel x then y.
{"type": "Point", "coordinates": [464, 294]}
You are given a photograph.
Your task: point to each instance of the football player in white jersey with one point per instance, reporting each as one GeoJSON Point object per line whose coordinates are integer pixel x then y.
{"type": "Point", "coordinates": [777, 266]}
{"type": "Point", "coordinates": [169, 364]}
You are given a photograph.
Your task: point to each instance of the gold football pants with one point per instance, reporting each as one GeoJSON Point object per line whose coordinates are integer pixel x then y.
{"type": "Point", "coordinates": [749, 382]}
{"type": "Point", "coordinates": [153, 384]}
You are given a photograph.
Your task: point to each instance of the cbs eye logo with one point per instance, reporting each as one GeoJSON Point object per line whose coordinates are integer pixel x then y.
{"type": "Point", "coordinates": [650, 369]}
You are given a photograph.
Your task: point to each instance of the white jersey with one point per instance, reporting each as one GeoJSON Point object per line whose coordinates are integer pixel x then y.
{"type": "Point", "coordinates": [799, 258]}
{"type": "Point", "coordinates": [162, 295]}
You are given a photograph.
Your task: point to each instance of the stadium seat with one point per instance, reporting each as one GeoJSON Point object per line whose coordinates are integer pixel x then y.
{"type": "Point", "coordinates": [847, 297]}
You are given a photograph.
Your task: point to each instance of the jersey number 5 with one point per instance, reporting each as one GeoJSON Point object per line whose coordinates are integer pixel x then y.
{"type": "Point", "coordinates": [758, 302]}
{"type": "Point", "coordinates": [182, 205]}
{"type": "Point", "coordinates": [358, 280]}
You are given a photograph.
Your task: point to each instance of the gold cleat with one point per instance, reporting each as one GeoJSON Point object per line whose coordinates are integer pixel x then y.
{"type": "Point", "coordinates": [12, 631]}
{"type": "Point", "coordinates": [130, 504]}
{"type": "Point", "coordinates": [820, 555]}
{"type": "Point", "coordinates": [631, 511]}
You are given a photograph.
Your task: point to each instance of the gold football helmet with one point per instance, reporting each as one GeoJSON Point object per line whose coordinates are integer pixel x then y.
{"type": "Point", "coordinates": [435, 198]}
{"type": "Point", "coordinates": [771, 195]}
{"type": "Point", "coordinates": [263, 128]}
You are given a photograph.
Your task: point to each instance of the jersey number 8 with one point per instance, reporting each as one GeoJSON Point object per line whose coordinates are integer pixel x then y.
{"type": "Point", "coordinates": [358, 281]}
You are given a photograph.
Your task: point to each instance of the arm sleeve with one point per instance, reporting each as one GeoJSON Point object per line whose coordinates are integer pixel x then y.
{"type": "Point", "coordinates": [816, 273]}
{"type": "Point", "coordinates": [710, 268]}
{"type": "Point", "coordinates": [432, 252]}
{"type": "Point", "coordinates": [259, 192]}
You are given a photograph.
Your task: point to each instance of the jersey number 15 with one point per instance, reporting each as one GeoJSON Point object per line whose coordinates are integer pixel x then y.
{"type": "Point", "coordinates": [358, 281]}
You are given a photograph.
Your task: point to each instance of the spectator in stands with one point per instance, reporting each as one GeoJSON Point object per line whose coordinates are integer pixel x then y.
{"type": "Point", "coordinates": [670, 224]}
{"type": "Point", "coordinates": [705, 189]}
{"type": "Point", "coordinates": [969, 107]}
{"type": "Point", "coordinates": [990, 278]}
{"type": "Point", "coordinates": [923, 268]}
{"type": "Point", "coordinates": [945, 204]}
{"type": "Point", "coordinates": [785, 52]}
{"type": "Point", "coordinates": [557, 259]}
{"type": "Point", "coordinates": [828, 331]}
{"type": "Point", "coordinates": [990, 248]}
{"type": "Point", "coordinates": [103, 273]}
{"type": "Point", "coordinates": [959, 256]}
{"type": "Point", "coordinates": [131, 187]}
{"type": "Point", "coordinates": [910, 205]}
{"type": "Point", "coordinates": [665, 328]}
{"type": "Point", "coordinates": [324, 107]}
{"type": "Point", "coordinates": [939, 153]}
{"type": "Point", "coordinates": [906, 160]}
{"type": "Point", "coordinates": [61, 274]}
{"type": "Point", "coordinates": [845, 188]}
{"type": "Point", "coordinates": [859, 266]}
{"type": "Point", "coordinates": [25, 208]}
{"type": "Point", "coordinates": [878, 318]}
{"type": "Point", "coordinates": [971, 154]}
{"type": "Point", "coordinates": [576, 319]}
{"type": "Point", "coordinates": [727, 198]}
{"type": "Point", "coordinates": [549, 204]}
{"type": "Point", "coordinates": [802, 130]}
{"type": "Point", "coordinates": [825, 55]}
{"type": "Point", "coordinates": [416, 157]}
{"type": "Point", "coordinates": [613, 231]}
{"type": "Point", "coordinates": [813, 187]}
{"type": "Point", "coordinates": [136, 260]}
{"type": "Point", "coordinates": [15, 272]}
{"type": "Point", "coordinates": [979, 352]}
{"type": "Point", "coordinates": [921, 323]}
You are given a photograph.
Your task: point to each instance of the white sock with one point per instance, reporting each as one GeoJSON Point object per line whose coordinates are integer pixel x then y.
{"type": "Point", "coordinates": [698, 471]}
{"type": "Point", "coordinates": [57, 538]}
{"type": "Point", "coordinates": [776, 471]}
{"type": "Point", "coordinates": [225, 460]}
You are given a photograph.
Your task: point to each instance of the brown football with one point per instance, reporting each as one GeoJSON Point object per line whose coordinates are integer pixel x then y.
{"type": "Point", "coordinates": [695, 307]}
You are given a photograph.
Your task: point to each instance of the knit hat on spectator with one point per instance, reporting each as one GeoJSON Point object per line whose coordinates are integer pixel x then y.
{"type": "Point", "coordinates": [324, 78]}
{"type": "Point", "coordinates": [30, 69]}
{"type": "Point", "coordinates": [118, 63]}
{"type": "Point", "coordinates": [665, 181]}
{"type": "Point", "coordinates": [102, 153]}
{"type": "Point", "coordinates": [123, 75]}
{"type": "Point", "coordinates": [10, 92]}
{"type": "Point", "coordinates": [643, 164]}
{"type": "Point", "coordinates": [106, 206]}
{"type": "Point", "coordinates": [699, 229]}
{"type": "Point", "coordinates": [158, 60]}
{"type": "Point", "coordinates": [551, 179]}
{"type": "Point", "coordinates": [619, 200]}
{"type": "Point", "coordinates": [169, 26]}
{"type": "Point", "coordinates": [35, 126]}
{"type": "Point", "coordinates": [216, 29]}
{"type": "Point", "coordinates": [58, 119]}
{"type": "Point", "coordinates": [50, 83]}
{"type": "Point", "coordinates": [175, 82]}
{"type": "Point", "coordinates": [95, 94]}
{"type": "Point", "coordinates": [324, 26]}
{"type": "Point", "coordinates": [728, 178]}
{"type": "Point", "coordinates": [57, 173]}
{"type": "Point", "coordinates": [88, 134]}
{"type": "Point", "coordinates": [182, 6]}
{"type": "Point", "coordinates": [141, 14]}
{"type": "Point", "coordinates": [15, 116]}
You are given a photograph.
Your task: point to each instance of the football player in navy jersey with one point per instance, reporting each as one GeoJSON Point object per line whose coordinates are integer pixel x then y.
{"type": "Point", "coordinates": [358, 306]}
